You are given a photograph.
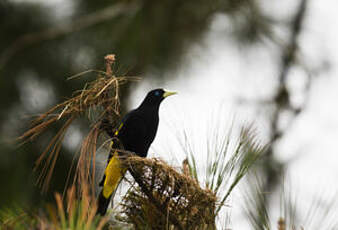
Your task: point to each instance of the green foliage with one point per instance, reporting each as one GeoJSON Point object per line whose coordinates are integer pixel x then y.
{"type": "Point", "coordinates": [16, 218]}
{"type": "Point", "coordinates": [256, 207]}
{"type": "Point", "coordinates": [226, 166]}
{"type": "Point", "coordinates": [78, 214]}
{"type": "Point", "coordinates": [318, 212]}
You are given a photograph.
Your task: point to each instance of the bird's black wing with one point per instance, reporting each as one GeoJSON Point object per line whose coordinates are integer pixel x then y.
{"type": "Point", "coordinates": [133, 132]}
{"type": "Point", "coordinates": [129, 136]}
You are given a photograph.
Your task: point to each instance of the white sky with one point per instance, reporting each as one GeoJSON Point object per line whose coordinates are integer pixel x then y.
{"type": "Point", "coordinates": [216, 73]}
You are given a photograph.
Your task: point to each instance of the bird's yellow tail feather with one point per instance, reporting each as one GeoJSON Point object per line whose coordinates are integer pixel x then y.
{"type": "Point", "coordinates": [114, 172]}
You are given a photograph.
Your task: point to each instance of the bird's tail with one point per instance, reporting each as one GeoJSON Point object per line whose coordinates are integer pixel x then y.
{"type": "Point", "coordinates": [113, 175]}
{"type": "Point", "coordinates": [103, 204]}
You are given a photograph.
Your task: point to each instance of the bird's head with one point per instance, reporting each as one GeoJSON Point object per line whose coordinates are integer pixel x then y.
{"type": "Point", "coordinates": [156, 96]}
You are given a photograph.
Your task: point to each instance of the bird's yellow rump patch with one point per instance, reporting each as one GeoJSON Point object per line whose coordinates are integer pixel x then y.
{"type": "Point", "coordinates": [114, 172]}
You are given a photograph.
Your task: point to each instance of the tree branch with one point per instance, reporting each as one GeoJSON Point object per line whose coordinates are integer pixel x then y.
{"type": "Point", "coordinates": [64, 29]}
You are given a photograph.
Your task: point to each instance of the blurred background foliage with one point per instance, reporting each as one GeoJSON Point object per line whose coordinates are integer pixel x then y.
{"type": "Point", "coordinates": [44, 43]}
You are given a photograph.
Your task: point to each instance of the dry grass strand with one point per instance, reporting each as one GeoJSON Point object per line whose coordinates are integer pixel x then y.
{"type": "Point", "coordinates": [101, 94]}
{"type": "Point", "coordinates": [166, 197]}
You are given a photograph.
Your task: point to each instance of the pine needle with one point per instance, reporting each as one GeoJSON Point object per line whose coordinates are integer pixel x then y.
{"type": "Point", "coordinates": [101, 94]}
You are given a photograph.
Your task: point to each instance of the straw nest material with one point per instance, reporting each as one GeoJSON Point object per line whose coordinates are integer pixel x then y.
{"type": "Point", "coordinates": [98, 100]}
{"type": "Point", "coordinates": [166, 198]}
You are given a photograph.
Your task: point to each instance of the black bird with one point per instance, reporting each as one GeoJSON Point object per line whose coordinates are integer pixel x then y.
{"type": "Point", "coordinates": [135, 133]}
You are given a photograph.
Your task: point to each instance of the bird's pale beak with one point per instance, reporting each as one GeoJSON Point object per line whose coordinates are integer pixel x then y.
{"type": "Point", "coordinates": [168, 93]}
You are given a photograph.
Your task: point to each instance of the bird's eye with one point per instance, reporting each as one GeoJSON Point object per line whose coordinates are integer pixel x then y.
{"type": "Point", "coordinates": [157, 93]}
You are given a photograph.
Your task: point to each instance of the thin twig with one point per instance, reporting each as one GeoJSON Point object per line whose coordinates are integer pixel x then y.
{"type": "Point", "coordinates": [71, 26]}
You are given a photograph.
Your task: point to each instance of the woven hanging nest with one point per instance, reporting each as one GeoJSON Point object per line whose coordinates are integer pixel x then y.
{"type": "Point", "coordinates": [165, 198]}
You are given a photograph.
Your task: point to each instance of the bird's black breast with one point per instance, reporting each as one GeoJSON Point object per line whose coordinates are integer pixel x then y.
{"type": "Point", "coordinates": [139, 130]}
